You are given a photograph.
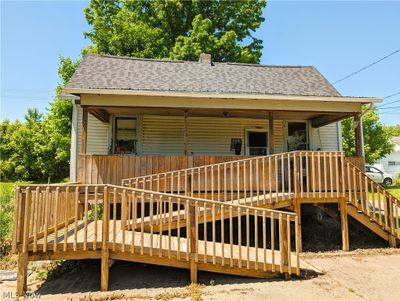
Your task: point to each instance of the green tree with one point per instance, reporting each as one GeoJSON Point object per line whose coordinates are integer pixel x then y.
{"type": "Point", "coordinates": [394, 130]}
{"type": "Point", "coordinates": [176, 29]}
{"type": "Point", "coordinates": [377, 142]}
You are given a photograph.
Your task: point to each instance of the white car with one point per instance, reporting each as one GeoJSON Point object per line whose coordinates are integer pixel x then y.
{"type": "Point", "coordinates": [379, 176]}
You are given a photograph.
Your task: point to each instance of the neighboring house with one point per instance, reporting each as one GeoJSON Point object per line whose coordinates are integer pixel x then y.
{"type": "Point", "coordinates": [391, 163]}
{"type": "Point", "coordinates": [162, 107]}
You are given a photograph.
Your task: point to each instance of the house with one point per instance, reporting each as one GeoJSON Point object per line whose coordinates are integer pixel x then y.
{"type": "Point", "coordinates": [143, 107]}
{"type": "Point", "coordinates": [391, 163]}
{"type": "Point", "coordinates": [200, 165]}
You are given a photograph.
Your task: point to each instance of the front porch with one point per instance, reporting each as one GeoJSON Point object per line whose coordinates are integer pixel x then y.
{"type": "Point", "coordinates": [113, 143]}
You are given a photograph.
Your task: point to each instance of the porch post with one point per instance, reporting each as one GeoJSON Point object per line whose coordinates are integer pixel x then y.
{"type": "Point", "coordinates": [271, 144]}
{"type": "Point", "coordinates": [185, 133]}
{"type": "Point", "coordinates": [358, 131]}
{"type": "Point", "coordinates": [84, 129]}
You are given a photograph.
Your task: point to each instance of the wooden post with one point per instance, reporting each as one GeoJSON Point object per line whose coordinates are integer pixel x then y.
{"type": "Point", "coordinates": [22, 273]}
{"type": "Point", "coordinates": [297, 210]}
{"type": "Point", "coordinates": [105, 251]}
{"type": "Point", "coordinates": [345, 225]}
{"type": "Point", "coordinates": [84, 130]}
{"type": "Point", "coordinates": [358, 135]}
{"type": "Point", "coordinates": [271, 143]}
{"type": "Point", "coordinates": [193, 244]}
{"type": "Point", "coordinates": [284, 245]}
{"type": "Point", "coordinates": [185, 133]}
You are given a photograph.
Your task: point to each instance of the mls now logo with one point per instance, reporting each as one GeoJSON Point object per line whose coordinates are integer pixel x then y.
{"type": "Point", "coordinates": [12, 295]}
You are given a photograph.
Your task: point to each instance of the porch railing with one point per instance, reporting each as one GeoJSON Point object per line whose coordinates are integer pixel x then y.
{"type": "Point", "coordinates": [256, 180]}
{"type": "Point", "coordinates": [111, 169]}
{"type": "Point", "coordinates": [85, 218]}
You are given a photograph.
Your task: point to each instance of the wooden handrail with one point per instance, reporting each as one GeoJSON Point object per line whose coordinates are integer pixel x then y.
{"type": "Point", "coordinates": [55, 211]}
{"type": "Point", "coordinates": [372, 199]}
{"type": "Point", "coordinates": [254, 181]}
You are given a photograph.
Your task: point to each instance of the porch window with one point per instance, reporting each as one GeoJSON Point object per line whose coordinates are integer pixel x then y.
{"type": "Point", "coordinates": [297, 136]}
{"type": "Point", "coordinates": [257, 143]}
{"type": "Point", "coordinates": [125, 140]}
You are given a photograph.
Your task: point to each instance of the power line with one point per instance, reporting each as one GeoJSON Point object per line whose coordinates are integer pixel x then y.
{"type": "Point", "coordinates": [27, 90]}
{"type": "Point", "coordinates": [389, 108]}
{"type": "Point", "coordinates": [388, 103]}
{"type": "Point", "coordinates": [392, 95]}
{"type": "Point", "coordinates": [390, 113]}
{"type": "Point", "coordinates": [25, 97]}
{"type": "Point", "coordinates": [366, 67]}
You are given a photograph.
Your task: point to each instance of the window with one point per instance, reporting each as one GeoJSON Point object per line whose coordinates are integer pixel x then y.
{"type": "Point", "coordinates": [257, 143]}
{"type": "Point", "coordinates": [125, 135]}
{"type": "Point", "coordinates": [394, 163]}
{"type": "Point", "coordinates": [297, 136]}
{"type": "Point", "coordinates": [374, 170]}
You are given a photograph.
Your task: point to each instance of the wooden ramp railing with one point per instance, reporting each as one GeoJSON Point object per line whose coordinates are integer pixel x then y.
{"type": "Point", "coordinates": [372, 200]}
{"type": "Point", "coordinates": [275, 181]}
{"type": "Point", "coordinates": [254, 181]}
{"type": "Point", "coordinates": [79, 221]}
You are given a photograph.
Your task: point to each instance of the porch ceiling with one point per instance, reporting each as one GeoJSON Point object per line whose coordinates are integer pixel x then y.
{"type": "Point", "coordinates": [317, 118]}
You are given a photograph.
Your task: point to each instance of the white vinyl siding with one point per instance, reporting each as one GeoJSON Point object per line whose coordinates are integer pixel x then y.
{"type": "Point", "coordinates": [326, 138]}
{"type": "Point", "coordinates": [207, 135]}
{"type": "Point", "coordinates": [97, 135]}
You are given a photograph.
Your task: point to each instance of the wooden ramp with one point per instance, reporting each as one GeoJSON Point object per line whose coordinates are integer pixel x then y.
{"type": "Point", "coordinates": [84, 221]}
{"type": "Point", "coordinates": [163, 250]}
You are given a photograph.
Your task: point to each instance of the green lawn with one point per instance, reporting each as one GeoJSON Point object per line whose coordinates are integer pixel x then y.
{"type": "Point", "coordinates": [394, 189]}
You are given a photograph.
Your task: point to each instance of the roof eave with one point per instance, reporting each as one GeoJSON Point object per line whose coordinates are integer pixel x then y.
{"type": "Point", "coordinates": [363, 100]}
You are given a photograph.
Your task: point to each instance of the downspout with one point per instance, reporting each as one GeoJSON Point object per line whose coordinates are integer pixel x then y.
{"type": "Point", "coordinates": [73, 151]}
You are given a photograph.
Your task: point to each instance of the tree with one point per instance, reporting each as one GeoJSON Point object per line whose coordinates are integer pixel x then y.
{"type": "Point", "coordinates": [394, 130]}
{"type": "Point", "coordinates": [377, 142]}
{"type": "Point", "coordinates": [176, 29]}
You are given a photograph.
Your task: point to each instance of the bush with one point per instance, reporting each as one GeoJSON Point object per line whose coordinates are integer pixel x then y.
{"type": "Point", "coordinates": [6, 216]}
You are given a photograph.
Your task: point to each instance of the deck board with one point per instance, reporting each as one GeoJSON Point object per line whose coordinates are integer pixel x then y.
{"type": "Point", "coordinates": [168, 250]}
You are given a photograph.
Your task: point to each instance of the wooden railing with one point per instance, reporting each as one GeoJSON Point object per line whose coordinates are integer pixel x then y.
{"type": "Point", "coordinates": [86, 217]}
{"type": "Point", "coordinates": [111, 169]}
{"type": "Point", "coordinates": [259, 181]}
{"type": "Point", "coordinates": [41, 210]}
{"type": "Point", "coordinates": [372, 199]}
{"type": "Point", "coordinates": [256, 180]}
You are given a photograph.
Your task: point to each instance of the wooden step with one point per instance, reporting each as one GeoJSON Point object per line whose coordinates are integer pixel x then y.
{"type": "Point", "coordinates": [366, 221]}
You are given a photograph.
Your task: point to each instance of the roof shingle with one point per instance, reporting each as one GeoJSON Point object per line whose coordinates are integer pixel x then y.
{"type": "Point", "coordinates": [123, 73]}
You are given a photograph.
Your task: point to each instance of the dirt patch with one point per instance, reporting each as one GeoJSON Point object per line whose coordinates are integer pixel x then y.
{"type": "Point", "coordinates": [356, 275]}
{"type": "Point", "coordinates": [321, 232]}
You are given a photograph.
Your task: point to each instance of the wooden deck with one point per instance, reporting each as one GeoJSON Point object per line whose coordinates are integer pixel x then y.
{"type": "Point", "coordinates": [156, 245]}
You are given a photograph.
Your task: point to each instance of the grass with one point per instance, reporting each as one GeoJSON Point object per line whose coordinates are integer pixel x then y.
{"type": "Point", "coordinates": [394, 189]}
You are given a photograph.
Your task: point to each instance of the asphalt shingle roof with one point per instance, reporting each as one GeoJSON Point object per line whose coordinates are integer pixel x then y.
{"type": "Point", "coordinates": [123, 73]}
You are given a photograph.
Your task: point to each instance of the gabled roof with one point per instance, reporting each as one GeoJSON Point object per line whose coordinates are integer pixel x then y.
{"type": "Point", "coordinates": [124, 73]}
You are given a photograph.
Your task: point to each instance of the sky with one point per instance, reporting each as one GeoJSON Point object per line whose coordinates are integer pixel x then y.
{"type": "Point", "coordinates": [337, 37]}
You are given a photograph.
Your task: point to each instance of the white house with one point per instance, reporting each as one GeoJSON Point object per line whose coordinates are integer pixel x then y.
{"type": "Point", "coordinates": [391, 163]}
